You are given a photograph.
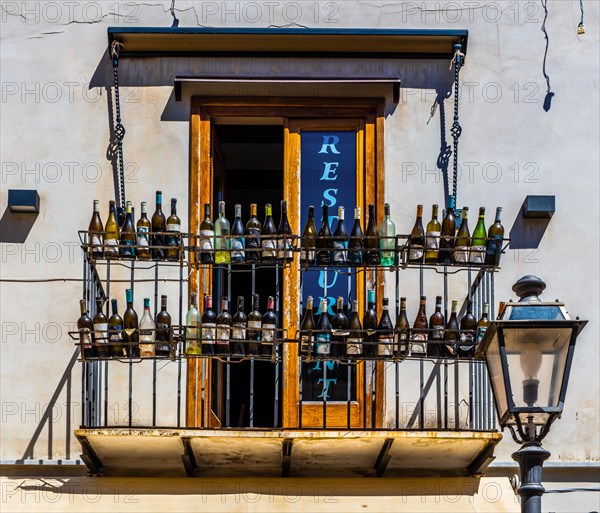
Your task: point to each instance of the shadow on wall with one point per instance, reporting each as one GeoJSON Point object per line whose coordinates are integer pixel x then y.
{"type": "Point", "coordinates": [16, 227]}
{"type": "Point", "coordinates": [527, 233]}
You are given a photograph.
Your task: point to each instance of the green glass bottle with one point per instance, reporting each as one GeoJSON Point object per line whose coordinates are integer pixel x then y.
{"type": "Point", "coordinates": [478, 240]}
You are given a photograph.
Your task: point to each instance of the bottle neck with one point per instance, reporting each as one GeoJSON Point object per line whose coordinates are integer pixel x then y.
{"type": "Point", "coordinates": [240, 305]}
{"type": "Point", "coordinates": [340, 305]}
{"type": "Point", "coordinates": [268, 211]}
{"type": "Point", "coordinates": [238, 211]}
{"type": "Point", "coordinates": [96, 206]}
{"type": "Point", "coordinates": [271, 304]}
{"type": "Point", "coordinates": [357, 214]}
{"type": "Point", "coordinates": [498, 214]}
{"type": "Point", "coordinates": [253, 210]}
{"type": "Point", "coordinates": [144, 209]}
{"type": "Point", "coordinates": [82, 307]}
{"type": "Point", "coordinates": [311, 213]}
{"type": "Point", "coordinates": [434, 212]}
{"type": "Point", "coordinates": [309, 303]}
{"type": "Point", "coordinates": [221, 209]}
{"type": "Point", "coordinates": [207, 211]}
{"type": "Point", "coordinates": [209, 304]}
{"type": "Point", "coordinates": [159, 201]}
{"type": "Point", "coordinates": [173, 207]}
{"type": "Point", "coordinates": [419, 212]}
{"type": "Point", "coordinates": [341, 213]}
{"type": "Point", "coordinates": [163, 303]}
{"type": "Point", "coordinates": [224, 304]}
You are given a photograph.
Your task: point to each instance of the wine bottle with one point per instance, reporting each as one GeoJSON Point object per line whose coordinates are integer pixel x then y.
{"type": "Point", "coordinates": [115, 331]}
{"type": "Point", "coordinates": [371, 244]}
{"type": "Point", "coordinates": [451, 331]}
{"type": "Point", "coordinates": [387, 242]}
{"type": "Point", "coordinates": [446, 254]}
{"type": "Point", "coordinates": [370, 326]}
{"type": "Point", "coordinates": [95, 232]}
{"type": "Point", "coordinates": [268, 236]}
{"type": "Point", "coordinates": [483, 323]}
{"type": "Point", "coordinates": [207, 237]}
{"type": "Point", "coordinates": [385, 328]}
{"type": "Point", "coordinates": [128, 235]}
{"type": "Point", "coordinates": [238, 244]}
{"type": "Point", "coordinates": [420, 330]}
{"type": "Point", "coordinates": [173, 237]}
{"type": "Point", "coordinates": [309, 239]}
{"type": "Point", "coordinates": [432, 240]}
{"type": "Point", "coordinates": [436, 325]}
{"type": "Point", "coordinates": [468, 328]}
{"type": "Point", "coordinates": [463, 239]}
{"type": "Point", "coordinates": [339, 328]}
{"type": "Point", "coordinates": [85, 326]}
{"type": "Point", "coordinates": [253, 229]}
{"type": "Point", "coordinates": [111, 236]}
{"type": "Point", "coordinates": [222, 240]}
{"type": "Point", "coordinates": [254, 326]}
{"type": "Point", "coordinates": [323, 337]}
{"type": "Point", "coordinates": [324, 240]}
{"type": "Point", "coordinates": [223, 327]}
{"type": "Point", "coordinates": [494, 243]}
{"type": "Point", "coordinates": [147, 332]}
{"type": "Point", "coordinates": [130, 327]}
{"type": "Point", "coordinates": [307, 327]}
{"type": "Point", "coordinates": [209, 327]}
{"type": "Point", "coordinates": [269, 327]}
{"type": "Point", "coordinates": [340, 241]}
{"type": "Point", "coordinates": [101, 341]}
{"type": "Point", "coordinates": [284, 242]}
{"type": "Point", "coordinates": [239, 323]}
{"type": "Point", "coordinates": [143, 229]}
{"type": "Point", "coordinates": [163, 329]}
{"type": "Point", "coordinates": [417, 239]}
{"type": "Point", "coordinates": [356, 242]}
{"type": "Point", "coordinates": [402, 330]}
{"type": "Point", "coordinates": [354, 345]}
{"type": "Point", "coordinates": [192, 334]}
{"type": "Point", "coordinates": [478, 240]}
{"type": "Point", "coordinates": [158, 227]}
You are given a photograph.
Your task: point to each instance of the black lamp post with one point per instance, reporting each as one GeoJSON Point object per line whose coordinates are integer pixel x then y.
{"type": "Point", "coordinates": [528, 353]}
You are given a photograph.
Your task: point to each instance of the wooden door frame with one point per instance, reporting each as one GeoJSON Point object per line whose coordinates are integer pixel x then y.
{"type": "Point", "coordinates": [204, 108]}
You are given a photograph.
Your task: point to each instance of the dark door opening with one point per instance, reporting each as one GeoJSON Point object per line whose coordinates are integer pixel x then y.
{"type": "Point", "coordinates": [248, 168]}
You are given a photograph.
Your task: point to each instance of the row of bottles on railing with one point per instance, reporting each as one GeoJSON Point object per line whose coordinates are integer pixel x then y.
{"type": "Point", "coordinates": [340, 336]}
{"type": "Point", "coordinates": [219, 242]}
{"type": "Point", "coordinates": [255, 334]}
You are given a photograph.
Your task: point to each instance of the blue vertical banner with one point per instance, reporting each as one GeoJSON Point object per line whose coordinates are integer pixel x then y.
{"type": "Point", "coordinates": [328, 177]}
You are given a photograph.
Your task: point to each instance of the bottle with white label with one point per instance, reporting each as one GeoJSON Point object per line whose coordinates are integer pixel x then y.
{"type": "Point", "coordinates": [209, 327]}
{"type": "Point", "coordinates": [402, 330]}
{"type": "Point", "coordinates": [323, 336]}
{"type": "Point", "coordinates": [254, 332]}
{"type": "Point", "coordinates": [370, 325]}
{"type": "Point", "coordinates": [339, 256]}
{"type": "Point", "coordinates": [309, 239]}
{"type": "Point", "coordinates": [468, 327]}
{"type": "Point", "coordinates": [494, 242]}
{"type": "Point", "coordinates": [354, 343]}
{"type": "Point", "coordinates": [115, 332]}
{"type": "Point", "coordinates": [339, 328]}
{"type": "Point", "coordinates": [436, 325]}
{"type": "Point", "coordinates": [284, 241]}
{"type": "Point", "coordinates": [207, 237]}
{"type": "Point", "coordinates": [419, 331]}
{"type": "Point", "coordinates": [483, 323]}
{"type": "Point", "coordinates": [463, 239]}
{"type": "Point", "coordinates": [478, 241]}
{"type": "Point", "coordinates": [417, 239]}
{"type": "Point", "coordinates": [173, 237]}
{"type": "Point", "coordinates": [268, 236]}
{"type": "Point", "coordinates": [85, 325]}
{"type": "Point", "coordinates": [356, 242]}
{"type": "Point", "coordinates": [223, 328]}
{"type": "Point", "coordinates": [432, 239]}
{"type": "Point", "coordinates": [269, 328]}
{"type": "Point", "coordinates": [147, 332]}
{"type": "Point", "coordinates": [237, 238]}
{"type": "Point", "coordinates": [451, 332]}
{"type": "Point", "coordinates": [95, 232]}
{"type": "Point", "coordinates": [192, 334]}
{"type": "Point", "coordinates": [111, 236]}
{"type": "Point", "coordinates": [142, 234]}
{"type": "Point", "coordinates": [239, 324]}
{"type": "Point", "coordinates": [385, 331]}
{"type": "Point", "coordinates": [307, 327]}
{"type": "Point", "coordinates": [100, 331]}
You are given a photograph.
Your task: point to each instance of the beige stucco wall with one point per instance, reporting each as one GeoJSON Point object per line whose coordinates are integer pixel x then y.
{"type": "Point", "coordinates": [55, 132]}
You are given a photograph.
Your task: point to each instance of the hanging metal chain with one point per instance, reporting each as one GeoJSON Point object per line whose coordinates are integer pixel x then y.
{"type": "Point", "coordinates": [456, 130]}
{"type": "Point", "coordinates": [119, 128]}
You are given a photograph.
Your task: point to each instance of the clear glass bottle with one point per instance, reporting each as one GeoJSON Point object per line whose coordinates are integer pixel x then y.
{"type": "Point", "coordinates": [222, 240]}
{"type": "Point", "coordinates": [147, 332]}
{"type": "Point", "coordinates": [142, 233]}
{"type": "Point", "coordinates": [95, 232]}
{"type": "Point", "coordinates": [387, 241]}
{"type": "Point", "coordinates": [432, 239]}
{"type": "Point", "coordinates": [340, 240]}
{"type": "Point", "coordinates": [238, 243]}
{"type": "Point", "coordinates": [192, 322]}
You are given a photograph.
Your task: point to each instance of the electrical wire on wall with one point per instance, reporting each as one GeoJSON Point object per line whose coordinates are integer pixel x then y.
{"type": "Point", "coordinates": [581, 26]}
{"type": "Point", "coordinates": [549, 93]}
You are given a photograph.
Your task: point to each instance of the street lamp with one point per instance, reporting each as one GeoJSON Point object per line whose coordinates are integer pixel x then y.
{"type": "Point", "coordinates": [528, 353]}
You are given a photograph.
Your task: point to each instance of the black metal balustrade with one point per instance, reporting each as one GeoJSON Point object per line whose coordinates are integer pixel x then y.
{"type": "Point", "coordinates": [421, 392]}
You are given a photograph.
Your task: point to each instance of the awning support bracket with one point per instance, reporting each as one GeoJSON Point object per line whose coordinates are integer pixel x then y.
{"type": "Point", "coordinates": [90, 458]}
{"type": "Point", "coordinates": [286, 457]}
{"type": "Point", "coordinates": [188, 458]}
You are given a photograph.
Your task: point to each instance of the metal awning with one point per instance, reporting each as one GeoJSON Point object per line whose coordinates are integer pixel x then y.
{"type": "Point", "coordinates": [291, 42]}
{"type": "Point", "coordinates": [297, 453]}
